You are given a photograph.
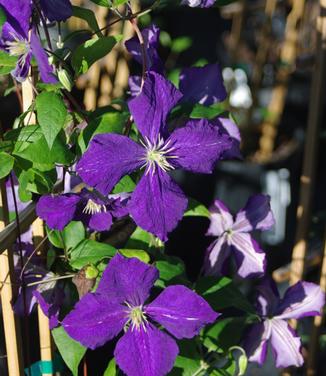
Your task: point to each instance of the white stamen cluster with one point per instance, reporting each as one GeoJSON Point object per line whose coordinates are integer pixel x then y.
{"type": "Point", "coordinates": [136, 317]}
{"type": "Point", "coordinates": [157, 154]}
{"type": "Point", "coordinates": [93, 208]}
{"type": "Point", "coordinates": [18, 47]}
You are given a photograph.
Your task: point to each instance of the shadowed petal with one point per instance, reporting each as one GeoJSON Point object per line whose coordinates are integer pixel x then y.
{"type": "Point", "coordinates": [268, 297]}
{"type": "Point", "coordinates": [256, 215]}
{"type": "Point", "coordinates": [56, 10]}
{"type": "Point", "coordinates": [100, 221]}
{"type": "Point", "coordinates": [301, 300]}
{"type": "Point", "coordinates": [181, 311]}
{"type": "Point", "coordinates": [57, 211]}
{"type": "Point", "coordinates": [256, 342]}
{"type": "Point", "coordinates": [157, 204]}
{"type": "Point", "coordinates": [217, 253]}
{"type": "Point", "coordinates": [198, 146]}
{"type": "Point", "coordinates": [95, 320]}
{"type": "Point", "coordinates": [128, 279]}
{"type": "Point", "coordinates": [134, 85]}
{"type": "Point", "coordinates": [202, 85]}
{"type": "Point", "coordinates": [147, 352]}
{"type": "Point", "coordinates": [108, 158]}
{"type": "Point", "coordinates": [228, 127]}
{"type": "Point", "coordinates": [250, 259]}
{"type": "Point", "coordinates": [221, 219]}
{"type": "Point", "coordinates": [285, 344]}
{"type": "Point", "coordinates": [152, 106]}
{"type": "Point", "coordinates": [46, 71]}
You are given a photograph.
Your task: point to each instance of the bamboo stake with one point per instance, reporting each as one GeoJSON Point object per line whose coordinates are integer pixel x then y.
{"type": "Point", "coordinates": [276, 106]}
{"type": "Point", "coordinates": [12, 332]}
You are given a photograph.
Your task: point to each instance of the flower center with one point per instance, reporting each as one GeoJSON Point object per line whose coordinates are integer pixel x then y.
{"type": "Point", "coordinates": [157, 154]}
{"type": "Point", "coordinates": [93, 208]}
{"type": "Point", "coordinates": [18, 47]}
{"type": "Point", "coordinates": [137, 317]}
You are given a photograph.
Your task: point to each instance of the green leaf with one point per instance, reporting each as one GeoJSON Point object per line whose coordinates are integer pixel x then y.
{"type": "Point", "coordinates": [103, 3]}
{"type": "Point", "coordinates": [55, 237]}
{"type": "Point", "coordinates": [170, 270]}
{"type": "Point", "coordinates": [140, 239]}
{"type": "Point", "coordinates": [7, 62]}
{"type": "Point", "coordinates": [188, 361]}
{"type": "Point", "coordinates": [126, 184]}
{"type": "Point", "coordinates": [31, 133]}
{"type": "Point", "coordinates": [6, 164]}
{"type": "Point", "coordinates": [73, 234]}
{"type": "Point", "coordinates": [91, 51]}
{"type": "Point", "coordinates": [111, 369]}
{"type": "Point", "coordinates": [222, 293]}
{"type": "Point", "coordinates": [138, 253]}
{"type": "Point", "coordinates": [195, 209]}
{"type": "Point", "coordinates": [90, 252]}
{"type": "Point", "coordinates": [72, 352]}
{"type": "Point", "coordinates": [200, 111]}
{"type": "Point", "coordinates": [3, 18]}
{"type": "Point", "coordinates": [51, 115]}
{"type": "Point", "coordinates": [181, 44]}
{"type": "Point", "coordinates": [88, 16]}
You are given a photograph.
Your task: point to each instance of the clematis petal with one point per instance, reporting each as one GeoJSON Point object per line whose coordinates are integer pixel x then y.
{"type": "Point", "coordinates": [18, 14]}
{"type": "Point", "coordinates": [256, 215]}
{"type": "Point", "coordinates": [151, 107]}
{"type": "Point", "coordinates": [221, 219]}
{"type": "Point", "coordinates": [95, 320]}
{"type": "Point", "coordinates": [285, 344]}
{"type": "Point", "coordinates": [147, 352]}
{"type": "Point", "coordinates": [22, 68]}
{"type": "Point", "coordinates": [198, 146]}
{"type": "Point", "coordinates": [108, 158]}
{"type": "Point", "coordinates": [217, 253]}
{"type": "Point", "coordinates": [268, 297]}
{"type": "Point", "coordinates": [157, 204]}
{"type": "Point", "coordinates": [100, 221]}
{"type": "Point", "coordinates": [181, 311]}
{"type": "Point", "coordinates": [50, 303]}
{"type": "Point", "coordinates": [46, 71]}
{"type": "Point", "coordinates": [151, 37]}
{"type": "Point", "coordinates": [128, 280]}
{"type": "Point", "coordinates": [56, 10]}
{"type": "Point", "coordinates": [228, 127]}
{"type": "Point", "coordinates": [256, 341]}
{"type": "Point", "coordinates": [134, 85]}
{"type": "Point", "coordinates": [199, 3]}
{"type": "Point", "coordinates": [202, 85]}
{"type": "Point", "coordinates": [250, 259]}
{"type": "Point", "coordinates": [301, 300]}
{"type": "Point", "coordinates": [57, 211]}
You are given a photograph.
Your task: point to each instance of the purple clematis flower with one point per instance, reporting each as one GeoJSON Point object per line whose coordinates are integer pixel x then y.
{"type": "Point", "coordinates": [15, 40]}
{"type": "Point", "coordinates": [234, 235]}
{"type": "Point", "coordinates": [120, 303]}
{"type": "Point", "coordinates": [198, 3]}
{"type": "Point", "coordinates": [157, 204]}
{"type": "Point", "coordinates": [56, 10]}
{"type": "Point", "coordinates": [87, 206]}
{"type": "Point", "coordinates": [300, 300]}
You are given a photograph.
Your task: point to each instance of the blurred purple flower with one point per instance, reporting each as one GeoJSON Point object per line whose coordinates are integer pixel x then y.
{"type": "Point", "coordinates": [199, 3]}
{"type": "Point", "coordinates": [157, 204]}
{"type": "Point", "coordinates": [87, 206]}
{"type": "Point", "coordinates": [233, 236]}
{"type": "Point", "coordinates": [56, 10]}
{"type": "Point", "coordinates": [15, 40]}
{"type": "Point", "coordinates": [300, 300]}
{"type": "Point", "coordinates": [120, 303]}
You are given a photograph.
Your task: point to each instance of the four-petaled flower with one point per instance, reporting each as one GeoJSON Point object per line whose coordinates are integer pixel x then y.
{"type": "Point", "coordinates": [157, 203]}
{"type": "Point", "coordinates": [87, 206]}
{"type": "Point", "coordinates": [234, 235]}
{"type": "Point", "coordinates": [120, 303]}
{"type": "Point", "coordinates": [301, 300]}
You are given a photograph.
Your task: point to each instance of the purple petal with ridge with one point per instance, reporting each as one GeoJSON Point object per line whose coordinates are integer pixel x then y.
{"type": "Point", "coordinates": [286, 345]}
{"type": "Point", "coordinates": [157, 204]}
{"type": "Point", "coordinates": [18, 13]}
{"type": "Point", "coordinates": [256, 215]}
{"type": "Point", "coordinates": [250, 259]}
{"type": "Point", "coordinates": [256, 342]}
{"type": "Point", "coordinates": [147, 352]}
{"type": "Point", "coordinates": [221, 219]}
{"type": "Point", "coordinates": [198, 146]}
{"type": "Point", "coordinates": [217, 254]}
{"type": "Point", "coordinates": [108, 158]}
{"type": "Point", "coordinates": [301, 300]}
{"type": "Point", "coordinates": [95, 320]}
{"type": "Point", "coordinates": [181, 311]}
{"type": "Point", "coordinates": [56, 10]}
{"type": "Point", "coordinates": [151, 107]}
{"type": "Point", "coordinates": [202, 85]}
{"type": "Point", "coordinates": [128, 280]}
{"type": "Point", "coordinates": [46, 71]}
{"type": "Point", "coordinates": [57, 211]}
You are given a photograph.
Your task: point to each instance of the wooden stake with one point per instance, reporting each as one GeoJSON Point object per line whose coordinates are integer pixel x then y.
{"type": "Point", "coordinates": [12, 332]}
